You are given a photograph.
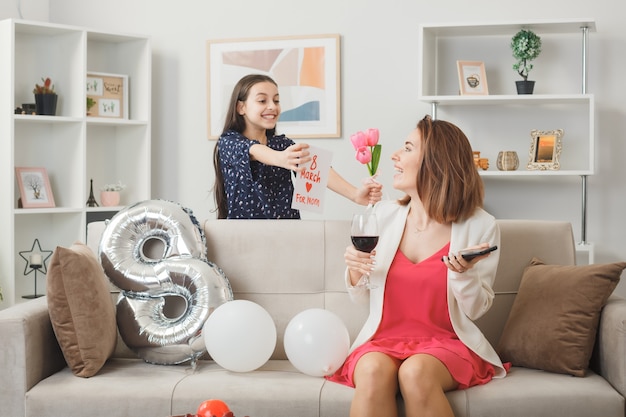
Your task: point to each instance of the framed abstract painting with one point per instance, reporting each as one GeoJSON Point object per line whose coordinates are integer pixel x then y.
{"type": "Point", "coordinates": [306, 69]}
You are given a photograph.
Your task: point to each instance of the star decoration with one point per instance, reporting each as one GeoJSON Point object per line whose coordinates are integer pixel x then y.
{"type": "Point", "coordinates": [25, 254]}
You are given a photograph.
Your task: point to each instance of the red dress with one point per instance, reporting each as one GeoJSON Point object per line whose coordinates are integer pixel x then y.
{"type": "Point", "coordinates": [416, 320]}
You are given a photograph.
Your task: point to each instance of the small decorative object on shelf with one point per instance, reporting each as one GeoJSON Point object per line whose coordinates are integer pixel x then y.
{"type": "Point", "coordinates": [526, 46]}
{"type": "Point", "coordinates": [482, 163]}
{"type": "Point", "coordinates": [545, 150]}
{"type": "Point", "coordinates": [507, 161]}
{"type": "Point", "coordinates": [107, 95]}
{"type": "Point", "coordinates": [27, 108]}
{"type": "Point", "coordinates": [35, 261]}
{"type": "Point", "coordinates": [110, 194]}
{"type": "Point", "coordinates": [90, 103]}
{"type": "Point", "coordinates": [45, 98]}
{"type": "Point", "coordinates": [91, 202]}
{"type": "Point", "coordinates": [472, 78]}
{"type": "Point", "coordinates": [34, 186]}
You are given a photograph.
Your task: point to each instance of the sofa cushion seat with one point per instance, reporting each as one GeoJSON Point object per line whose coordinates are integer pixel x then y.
{"type": "Point", "coordinates": [531, 392]}
{"type": "Point", "coordinates": [123, 387]}
{"type": "Point", "coordinates": [132, 387]}
{"type": "Point", "coordinates": [275, 385]}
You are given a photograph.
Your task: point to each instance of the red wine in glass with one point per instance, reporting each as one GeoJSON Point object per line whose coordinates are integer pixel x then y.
{"type": "Point", "coordinates": [365, 243]}
{"type": "Point", "coordinates": [364, 236]}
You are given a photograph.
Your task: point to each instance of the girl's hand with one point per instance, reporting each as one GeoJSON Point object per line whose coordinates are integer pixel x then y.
{"type": "Point", "coordinates": [359, 263]}
{"type": "Point", "coordinates": [370, 193]}
{"type": "Point", "coordinates": [295, 157]}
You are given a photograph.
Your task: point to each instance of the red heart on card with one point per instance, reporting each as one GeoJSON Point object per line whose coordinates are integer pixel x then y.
{"type": "Point", "coordinates": [308, 186]}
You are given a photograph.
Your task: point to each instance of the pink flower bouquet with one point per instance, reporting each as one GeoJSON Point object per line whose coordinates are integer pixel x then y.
{"type": "Point", "coordinates": [367, 149]}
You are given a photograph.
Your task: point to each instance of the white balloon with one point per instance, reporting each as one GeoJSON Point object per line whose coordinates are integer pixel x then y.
{"type": "Point", "coordinates": [316, 342]}
{"type": "Point", "coordinates": [240, 335]}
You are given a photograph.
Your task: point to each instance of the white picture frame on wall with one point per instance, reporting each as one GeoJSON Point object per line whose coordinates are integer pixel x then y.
{"type": "Point", "coordinates": [306, 69]}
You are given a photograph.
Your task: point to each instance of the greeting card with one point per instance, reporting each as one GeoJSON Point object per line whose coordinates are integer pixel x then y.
{"type": "Point", "coordinates": [310, 184]}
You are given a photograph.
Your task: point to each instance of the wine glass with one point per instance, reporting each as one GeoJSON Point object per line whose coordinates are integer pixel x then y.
{"type": "Point", "coordinates": [364, 235]}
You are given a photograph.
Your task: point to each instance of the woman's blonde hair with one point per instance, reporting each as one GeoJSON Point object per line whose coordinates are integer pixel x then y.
{"type": "Point", "coordinates": [448, 182]}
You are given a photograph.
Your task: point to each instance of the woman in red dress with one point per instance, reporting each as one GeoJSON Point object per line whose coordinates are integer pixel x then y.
{"type": "Point", "coordinates": [420, 339]}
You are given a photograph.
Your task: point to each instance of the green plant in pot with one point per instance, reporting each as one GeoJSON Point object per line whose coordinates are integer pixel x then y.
{"type": "Point", "coordinates": [45, 98]}
{"type": "Point", "coordinates": [526, 46]}
{"type": "Point", "coordinates": [90, 103]}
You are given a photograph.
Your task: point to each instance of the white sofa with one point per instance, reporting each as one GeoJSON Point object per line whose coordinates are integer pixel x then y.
{"type": "Point", "coordinates": [287, 267]}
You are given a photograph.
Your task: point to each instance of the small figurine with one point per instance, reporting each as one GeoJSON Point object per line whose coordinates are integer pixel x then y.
{"type": "Point", "coordinates": [91, 202]}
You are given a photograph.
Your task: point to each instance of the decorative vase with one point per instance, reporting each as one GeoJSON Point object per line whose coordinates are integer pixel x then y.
{"type": "Point", "coordinates": [110, 198]}
{"type": "Point", "coordinates": [525, 87]}
{"type": "Point", "coordinates": [507, 161]}
{"type": "Point", "coordinates": [46, 104]}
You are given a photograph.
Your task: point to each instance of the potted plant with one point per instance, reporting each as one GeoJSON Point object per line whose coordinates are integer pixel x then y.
{"type": "Point", "coordinates": [45, 98]}
{"type": "Point", "coordinates": [90, 103]}
{"type": "Point", "coordinates": [110, 194]}
{"type": "Point", "coordinates": [526, 46]}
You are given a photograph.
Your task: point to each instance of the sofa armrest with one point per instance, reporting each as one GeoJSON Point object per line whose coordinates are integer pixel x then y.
{"type": "Point", "coordinates": [30, 352]}
{"type": "Point", "coordinates": [611, 343]}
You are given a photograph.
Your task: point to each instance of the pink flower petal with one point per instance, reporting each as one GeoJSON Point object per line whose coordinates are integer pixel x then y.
{"type": "Point", "coordinates": [359, 139]}
{"type": "Point", "coordinates": [372, 137]}
{"type": "Point", "coordinates": [363, 155]}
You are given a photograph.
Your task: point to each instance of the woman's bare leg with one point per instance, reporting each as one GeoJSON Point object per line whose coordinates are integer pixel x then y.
{"type": "Point", "coordinates": [376, 386]}
{"type": "Point", "coordinates": [423, 382]}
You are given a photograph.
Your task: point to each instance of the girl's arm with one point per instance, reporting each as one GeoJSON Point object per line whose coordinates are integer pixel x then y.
{"type": "Point", "coordinates": [294, 158]}
{"type": "Point", "coordinates": [369, 193]}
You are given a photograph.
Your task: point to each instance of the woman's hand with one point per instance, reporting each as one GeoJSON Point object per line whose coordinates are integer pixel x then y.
{"type": "Point", "coordinates": [359, 263]}
{"type": "Point", "coordinates": [456, 263]}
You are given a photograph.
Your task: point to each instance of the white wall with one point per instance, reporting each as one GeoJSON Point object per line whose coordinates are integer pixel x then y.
{"type": "Point", "coordinates": [379, 89]}
{"type": "Point", "coordinates": [24, 9]}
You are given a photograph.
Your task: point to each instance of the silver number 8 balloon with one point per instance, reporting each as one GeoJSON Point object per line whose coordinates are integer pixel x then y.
{"type": "Point", "coordinates": [155, 253]}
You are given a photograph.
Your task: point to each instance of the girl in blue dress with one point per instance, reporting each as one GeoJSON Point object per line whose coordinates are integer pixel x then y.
{"type": "Point", "coordinates": [253, 165]}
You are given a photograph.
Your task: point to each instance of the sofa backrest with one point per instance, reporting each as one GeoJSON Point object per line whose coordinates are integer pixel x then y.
{"type": "Point", "coordinates": [288, 266]}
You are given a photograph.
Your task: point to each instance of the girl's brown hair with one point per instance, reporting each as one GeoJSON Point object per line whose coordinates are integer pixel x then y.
{"type": "Point", "coordinates": [235, 121]}
{"type": "Point", "coordinates": [448, 182]}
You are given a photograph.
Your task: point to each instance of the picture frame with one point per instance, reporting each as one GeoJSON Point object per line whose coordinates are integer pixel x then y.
{"type": "Point", "coordinates": [545, 149]}
{"type": "Point", "coordinates": [472, 78]}
{"type": "Point", "coordinates": [107, 95]}
{"type": "Point", "coordinates": [34, 186]}
{"type": "Point", "coordinates": [306, 69]}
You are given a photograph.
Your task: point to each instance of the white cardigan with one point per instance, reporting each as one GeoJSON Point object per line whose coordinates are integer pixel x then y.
{"type": "Point", "coordinates": [470, 294]}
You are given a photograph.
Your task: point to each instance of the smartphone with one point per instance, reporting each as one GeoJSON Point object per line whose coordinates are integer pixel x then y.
{"type": "Point", "coordinates": [469, 255]}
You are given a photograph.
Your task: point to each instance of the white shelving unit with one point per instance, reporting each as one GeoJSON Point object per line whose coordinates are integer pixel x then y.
{"type": "Point", "coordinates": [503, 120]}
{"type": "Point", "coordinates": [72, 147]}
